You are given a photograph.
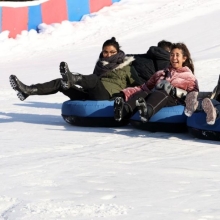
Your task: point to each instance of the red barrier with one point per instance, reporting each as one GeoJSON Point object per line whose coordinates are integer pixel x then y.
{"type": "Point", "coordinates": [54, 11]}
{"type": "Point", "coordinates": [96, 5]}
{"type": "Point", "coordinates": [11, 22]}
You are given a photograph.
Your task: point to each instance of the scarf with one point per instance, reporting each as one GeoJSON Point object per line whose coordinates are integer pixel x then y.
{"type": "Point", "coordinates": [105, 64]}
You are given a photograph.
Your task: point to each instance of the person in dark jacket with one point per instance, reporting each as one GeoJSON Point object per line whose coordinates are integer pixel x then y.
{"type": "Point", "coordinates": [111, 74]}
{"type": "Point", "coordinates": [209, 103]}
{"type": "Point", "coordinates": [192, 99]}
{"type": "Point", "coordinates": [156, 58]}
{"type": "Point", "coordinates": [165, 88]}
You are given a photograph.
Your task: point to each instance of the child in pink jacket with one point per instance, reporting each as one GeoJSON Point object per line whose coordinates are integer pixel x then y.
{"type": "Point", "coordinates": [165, 88]}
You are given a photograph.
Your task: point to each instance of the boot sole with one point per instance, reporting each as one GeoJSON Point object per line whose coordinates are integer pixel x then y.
{"type": "Point", "coordinates": [191, 103]}
{"type": "Point", "coordinates": [64, 70]}
{"type": "Point", "coordinates": [13, 82]}
{"type": "Point", "coordinates": [118, 109]}
{"type": "Point", "coordinates": [142, 108]}
{"type": "Point", "coordinates": [210, 111]}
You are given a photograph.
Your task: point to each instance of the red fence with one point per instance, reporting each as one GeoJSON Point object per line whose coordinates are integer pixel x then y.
{"type": "Point", "coordinates": [18, 18]}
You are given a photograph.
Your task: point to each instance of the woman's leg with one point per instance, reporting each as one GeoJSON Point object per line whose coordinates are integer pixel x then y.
{"type": "Point", "coordinates": [76, 93]}
{"type": "Point", "coordinates": [153, 103]}
{"type": "Point", "coordinates": [55, 86]}
{"type": "Point", "coordinates": [124, 110]}
{"type": "Point", "coordinates": [216, 92]}
{"type": "Point", "coordinates": [203, 95]}
{"type": "Point", "coordinates": [94, 87]}
{"type": "Point", "coordinates": [23, 90]}
{"type": "Point", "coordinates": [46, 88]}
{"type": "Point", "coordinates": [212, 108]}
{"type": "Point", "coordinates": [90, 83]}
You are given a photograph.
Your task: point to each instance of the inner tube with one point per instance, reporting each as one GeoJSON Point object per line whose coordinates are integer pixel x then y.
{"type": "Point", "coordinates": [198, 127]}
{"type": "Point", "coordinates": [90, 113]}
{"type": "Point", "coordinates": [168, 119]}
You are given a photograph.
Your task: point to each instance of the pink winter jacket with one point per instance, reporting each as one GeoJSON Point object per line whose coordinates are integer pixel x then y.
{"type": "Point", "coordinates": [182, 78]}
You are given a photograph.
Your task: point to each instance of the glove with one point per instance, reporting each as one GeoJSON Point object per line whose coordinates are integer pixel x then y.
{"type": "Point", "coordinates": [179, 93]}
{"type": "Point", "coordinates": [164, 85]}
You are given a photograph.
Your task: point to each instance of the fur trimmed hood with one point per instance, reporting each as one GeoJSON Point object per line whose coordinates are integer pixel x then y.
{"type": "Point", "coordinates": [112, 63]}
{"type": "Point", "coordinates": [127, 61]}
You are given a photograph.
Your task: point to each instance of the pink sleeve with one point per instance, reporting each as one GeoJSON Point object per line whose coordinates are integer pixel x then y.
{"type": "Point", "coordinates": [154, 78]}
{"type": "Point", "coordinates": [193, 86]}
{"type": "Point", "coordinates": [130, 91]}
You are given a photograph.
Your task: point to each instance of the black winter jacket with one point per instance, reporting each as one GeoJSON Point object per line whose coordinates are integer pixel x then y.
{"type": "Point", "coordinates": [145, 65]}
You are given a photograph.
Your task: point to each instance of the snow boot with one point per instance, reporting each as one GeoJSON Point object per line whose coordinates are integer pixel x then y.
{"type": "Point", "coordinates": [23, 90]}
{"type": "Point", "coordinates": [142, 108]}
{"type": "Point", "coordinates": [191, 103]}
{"type": "Point", "coordinates": [118, 108]}
{"type": "Point", "coordinates": [210, 111]}
{"type": "Point", "coordinates": [122, 110]}
{"type": "Point", "coordinates": [69, 79]}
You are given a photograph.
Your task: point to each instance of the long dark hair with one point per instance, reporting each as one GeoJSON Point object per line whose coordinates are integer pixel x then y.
{"type": "Point", "coordinates": [186, 53]}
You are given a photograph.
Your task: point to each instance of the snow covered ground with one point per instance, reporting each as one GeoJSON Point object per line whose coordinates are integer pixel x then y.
{"type": "Point", "coordinates": [50, 170]}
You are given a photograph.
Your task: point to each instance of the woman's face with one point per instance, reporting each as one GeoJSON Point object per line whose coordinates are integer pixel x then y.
{"type": "Point", "coordinates": [176, 58]}
{"type": "Point", "coordinates": [108, 51]}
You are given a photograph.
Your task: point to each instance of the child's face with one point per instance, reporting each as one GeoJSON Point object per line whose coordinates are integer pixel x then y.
{"type": "Point", "coordinates": [176, 58]}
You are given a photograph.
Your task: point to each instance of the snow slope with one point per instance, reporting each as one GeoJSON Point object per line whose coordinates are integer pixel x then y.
{"type": "Point", "coordinates": [50, 170]}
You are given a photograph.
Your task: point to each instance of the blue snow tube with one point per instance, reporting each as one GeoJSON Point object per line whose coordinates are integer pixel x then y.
{"type": "Point", "coordinates": [168, 119]}
{"type": "Point", "coordinates": [90, 113]}
{"type": "Point", "coordinates": [198, 127]}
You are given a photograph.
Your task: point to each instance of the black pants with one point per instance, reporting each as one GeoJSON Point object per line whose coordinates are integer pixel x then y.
{"type": "Point", "coordinates": [92, 89]}
{"type": "Point", "coordinates": [203, 95]}
{"type": "Point", "coordinates": [155, 101]}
